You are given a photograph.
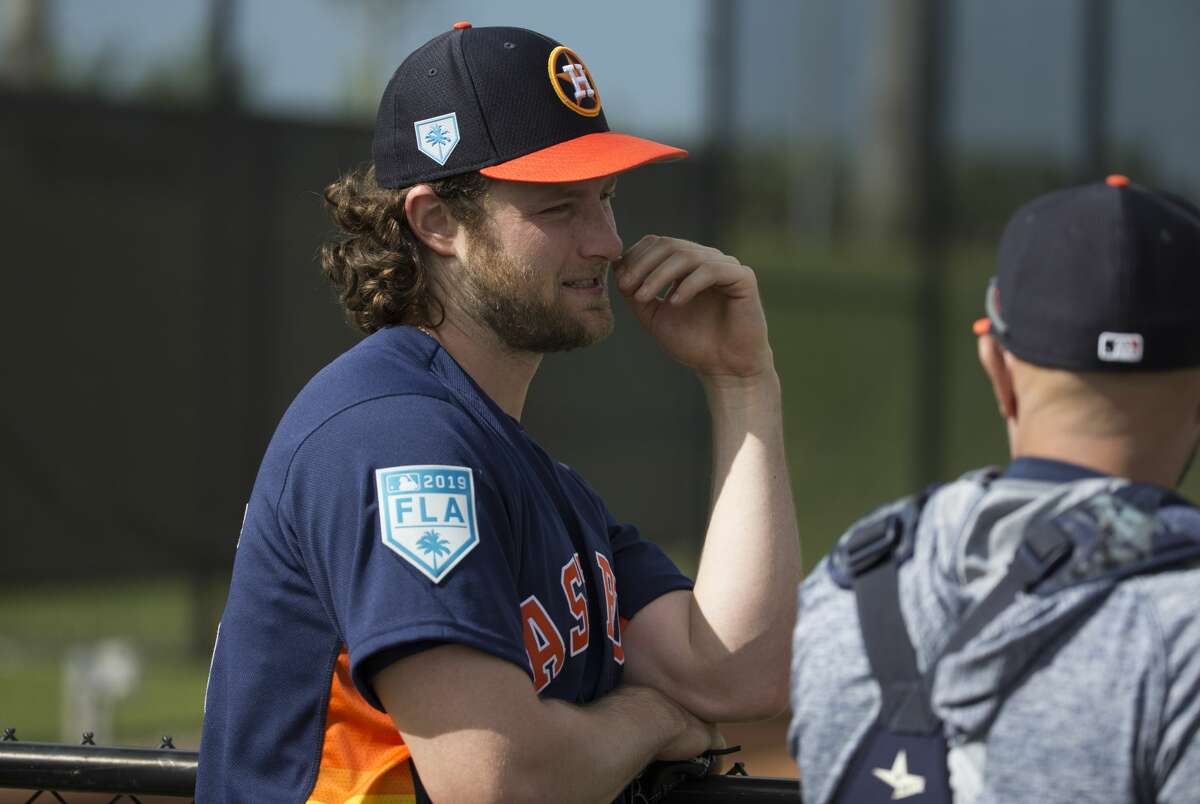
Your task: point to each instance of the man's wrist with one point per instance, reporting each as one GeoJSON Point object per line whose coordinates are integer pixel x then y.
{"type": "Point", "coordinates": [725, 391]}
{"type": "Point", "coordinates": [653, 707]}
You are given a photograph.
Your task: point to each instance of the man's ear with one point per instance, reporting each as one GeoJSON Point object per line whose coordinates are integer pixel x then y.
{"type": "Point", "coordinates": [992, 358]}
{"type": "Point", "coordinates": [430, 220]}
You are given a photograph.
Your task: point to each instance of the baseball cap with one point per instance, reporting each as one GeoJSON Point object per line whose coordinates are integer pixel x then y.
{"type": "Point", "coordinates": [508, 102]}
{"type": "Point", "coordinates": [1102, 277]}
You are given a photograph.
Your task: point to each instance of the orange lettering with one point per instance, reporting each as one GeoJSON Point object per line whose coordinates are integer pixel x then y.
{"type": "Point", "coordinates": [573, 588]}
{"type": "Point", "coordinates": [543, 644]}
{"type": "Point", "coordinates": [610, 599]}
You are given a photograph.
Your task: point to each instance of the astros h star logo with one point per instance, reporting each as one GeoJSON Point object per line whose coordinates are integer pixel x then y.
{"type": "Point", "coordinates": [572, 82]}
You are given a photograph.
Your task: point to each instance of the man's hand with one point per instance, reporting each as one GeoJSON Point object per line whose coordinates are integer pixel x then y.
{"type": "Point", "coordinates": [694, 741]}
{"type": "Point", "coordinates": [710, 319]}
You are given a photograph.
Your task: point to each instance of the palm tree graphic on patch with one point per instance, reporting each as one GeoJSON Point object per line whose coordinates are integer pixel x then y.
{"type": "Point", "coordinates": [431, 542]}
{"type": "Point", "coordinates": [438, 137]}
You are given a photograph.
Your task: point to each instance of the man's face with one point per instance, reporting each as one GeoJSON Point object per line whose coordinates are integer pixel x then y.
{"type": "Point", "coordinates": [536, 270]}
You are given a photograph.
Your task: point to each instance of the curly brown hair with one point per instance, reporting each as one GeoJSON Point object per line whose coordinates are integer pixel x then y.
{"type": "Point", "coordinates": [376, 263]}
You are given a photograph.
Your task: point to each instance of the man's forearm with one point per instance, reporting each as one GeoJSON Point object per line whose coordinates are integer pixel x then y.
{"type": "Point", "coordinates": [478, 732]}
{"type": "Point", "coordinates": [743, 606]}
{"type": "Point", "coordinates": [598, 748]}
{"type": "Point", "coordinates": [568, 753]}
{"type": "Point", "coordinates": [732, 634]}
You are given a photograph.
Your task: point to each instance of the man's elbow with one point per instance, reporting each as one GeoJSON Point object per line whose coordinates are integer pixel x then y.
{"type": "Point", "coordinates": [738, 697]}
{"type": "Point", "coordinates": [775, 699]}
{"type": "Point", "coordinates": [765, 698]}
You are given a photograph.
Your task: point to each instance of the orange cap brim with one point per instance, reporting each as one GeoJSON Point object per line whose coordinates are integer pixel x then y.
{"type": "Point", "coordinates": [588, 157]}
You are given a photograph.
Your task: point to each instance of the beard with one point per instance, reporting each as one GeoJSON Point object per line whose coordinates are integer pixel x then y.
{"type": "Point", "coordinates": [501, 293]}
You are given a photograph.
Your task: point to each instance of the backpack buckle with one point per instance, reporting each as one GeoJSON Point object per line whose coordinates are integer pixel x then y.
{"type": "Point", "coordinates": [868, 548]}
{"type": "Point", "coordinates": [1041, 552]}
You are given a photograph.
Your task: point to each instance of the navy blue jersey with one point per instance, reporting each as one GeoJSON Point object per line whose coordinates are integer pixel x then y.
{"type": "Point", "coordinates": [399, 508]}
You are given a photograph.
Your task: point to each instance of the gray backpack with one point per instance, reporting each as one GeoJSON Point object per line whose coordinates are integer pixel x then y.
{"type": "Point", "coordinates": [1111, 535]}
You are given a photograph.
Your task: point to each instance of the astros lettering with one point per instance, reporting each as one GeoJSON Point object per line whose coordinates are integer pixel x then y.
{"type": "Point", "coordinates": [544, 644]}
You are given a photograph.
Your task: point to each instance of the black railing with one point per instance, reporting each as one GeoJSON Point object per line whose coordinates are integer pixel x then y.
{"type": "Point", "coordinates": [725, 789]}
{"type": "Point", "coordinates": [51, 769]}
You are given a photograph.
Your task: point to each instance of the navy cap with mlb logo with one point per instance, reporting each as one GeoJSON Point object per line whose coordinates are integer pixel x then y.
{"type": "Point", "coordinates": [1103, 277]}
{"type": "Point", "coordinates": [508, 102]}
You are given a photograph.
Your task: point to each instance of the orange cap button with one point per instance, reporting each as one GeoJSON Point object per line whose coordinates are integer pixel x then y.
{"type": "Point", "coordinates": [462, 26]}
{"type": "Point", "coordinates": [1117, 180]}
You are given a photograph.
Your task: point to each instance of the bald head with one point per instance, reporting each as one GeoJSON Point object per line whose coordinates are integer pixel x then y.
{"type": "Point", "coordinates": [1142, 425]}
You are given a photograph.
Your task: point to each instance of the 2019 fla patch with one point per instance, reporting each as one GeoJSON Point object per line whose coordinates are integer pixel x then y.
{"type": "Point", "coordinates": [427, 515]}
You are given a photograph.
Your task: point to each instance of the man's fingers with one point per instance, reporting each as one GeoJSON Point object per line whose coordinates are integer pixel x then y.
{"type": "Point", "coordinates": [633, 265]}
{"type": "Point", "coordinates": [679, 265]}
{"type": "Point", "coordinates": [720, 762]}
{"type": "Point", "coordinates": [648, 253]}
{"type": "Point", "coordinates": [641, 245]}
{"type": "Point", "coordinates": [716, 740]}
{"type": "Point", "coordinates": [675, 266]}
{"type": "Point", "coordinates": [707, 276]}
{"type": "Point", "coordinates": [638, 262]}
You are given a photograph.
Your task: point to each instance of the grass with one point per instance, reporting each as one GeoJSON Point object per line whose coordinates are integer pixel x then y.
{"type": "Point", "coordinates": [844, 330]}
{"type": "Point", "coordinates": [50, 617]}
{"type": "Point", "coordinates": [40, 624]}
{"type": "Point", "coordinates": [29, 698]}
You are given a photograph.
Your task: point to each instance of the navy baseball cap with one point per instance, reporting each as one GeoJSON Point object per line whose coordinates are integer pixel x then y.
{"type": "Point", "coordinates": [1103, 277]}
{"type": "Point", "coordinates": [508, 102]}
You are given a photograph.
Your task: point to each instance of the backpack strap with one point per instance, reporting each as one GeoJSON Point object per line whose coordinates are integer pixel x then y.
{"type": "Point", "coordinates": [1040, 553]}
{"type": "Point", "coordinates": [1136, 529]}
{"type": "Point", "coordinates": [1110, 535]}
{"type": "Point", "coordinates": [872, 561]}
{"type": "Point", "coordinates": [870, 541]}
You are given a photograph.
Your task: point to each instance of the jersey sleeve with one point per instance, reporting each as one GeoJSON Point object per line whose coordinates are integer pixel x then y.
{"type": "Point", "coordinates": [644, 572]}
{"type": "Point", "coordinates": [397, 509]}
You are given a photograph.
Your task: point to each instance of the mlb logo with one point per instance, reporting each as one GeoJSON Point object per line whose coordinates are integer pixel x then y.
{"type": "Point", "coordinates": [437, 136]}
{"type": "Point", "coordinates": [427, 516]}
{"type": "Point", "coordinates": [1120, 347]}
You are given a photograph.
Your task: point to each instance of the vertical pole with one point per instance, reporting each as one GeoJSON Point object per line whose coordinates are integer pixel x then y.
{"type": "Point", "coordinates": [225, 86]}
{"type": "Point", "coordinates": [1096, 31]}
{"type": "Point", "coordinates": [26, 52]}
{"type": "Point", "coordinates": [720, 81]}
{"type": "Point", "coordinates": [811, 182]}
{"type": "Point", "coordinates": [224, 202]}
{"type": "Point", "coordinates": [885, 177]}
{"type": "Point", "coordinates": [933, 228]}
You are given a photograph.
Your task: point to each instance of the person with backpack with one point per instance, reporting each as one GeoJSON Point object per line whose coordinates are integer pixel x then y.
{"type": "Point", "coordinates": [1029, 634]}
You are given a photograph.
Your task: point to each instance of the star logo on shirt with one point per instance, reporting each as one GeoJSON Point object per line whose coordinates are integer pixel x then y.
{"type": "Point", "coordinates": [903, 783]}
